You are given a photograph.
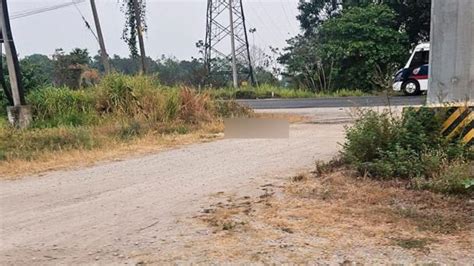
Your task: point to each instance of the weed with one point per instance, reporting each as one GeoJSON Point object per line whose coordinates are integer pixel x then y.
{"type": "Point", "coordinates": [130, 130]}
{"type": "Point", "coordinates": [195, 107]}
{"type": "Point", "coordinates": [324, 168]}
{"type": "Point", "coordinates": [299, 178]}
{"type": "Point", "coordinates": [412, 243]}
{"type": "Point", "coordinates": [431, 220]}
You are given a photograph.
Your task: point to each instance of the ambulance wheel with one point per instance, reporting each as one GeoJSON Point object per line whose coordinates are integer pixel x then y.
{"type": "Point", "coordinates": [411, 87]}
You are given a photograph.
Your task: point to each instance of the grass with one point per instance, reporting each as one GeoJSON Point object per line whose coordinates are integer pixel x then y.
{"type": "Point", "coordinates": [94, 123]}
{"type": "Point", "coordinates": [314, 216]}
{"type": "Point", "coordinates": [412, 243]}
{"type": "Point", "coordinates": [267, 91]}
{"type": "Point", "coordinates": [111, 149]}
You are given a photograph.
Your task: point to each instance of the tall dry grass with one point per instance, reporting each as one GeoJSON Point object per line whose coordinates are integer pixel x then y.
{"type": "Point", "coordinates": [120, 109]}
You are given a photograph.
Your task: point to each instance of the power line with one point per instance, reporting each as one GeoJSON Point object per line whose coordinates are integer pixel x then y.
{"type": "Point", "coordinates": [31, 12]}
{"type": "Point", "coordinates": [88, 26]}
{"type": "Point", "coordinates": [275, 25]}
{"type": "Point", "coordinates": [286, 16]}
{"type": "Point", "coordinates": [263, 24]}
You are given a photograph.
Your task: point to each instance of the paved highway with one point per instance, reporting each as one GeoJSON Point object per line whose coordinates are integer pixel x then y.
{"type": "Point", "coordinates": [364, 101]}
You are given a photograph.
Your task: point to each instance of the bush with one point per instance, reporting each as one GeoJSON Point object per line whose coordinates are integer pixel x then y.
{"type": "Point", "coordinates": [231, 108]}
{"type": "Point", "coordinates": [195, 107]}
{"type": "Point", "coordinates": [411, 147]}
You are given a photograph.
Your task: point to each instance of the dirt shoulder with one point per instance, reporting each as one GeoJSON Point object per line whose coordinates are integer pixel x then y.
{"type": "Point", "coordinates": [336, 219]}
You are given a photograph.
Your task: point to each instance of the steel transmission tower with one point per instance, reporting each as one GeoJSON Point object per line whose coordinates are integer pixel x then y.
{"type": "Point", "coordinates": [226, 36]}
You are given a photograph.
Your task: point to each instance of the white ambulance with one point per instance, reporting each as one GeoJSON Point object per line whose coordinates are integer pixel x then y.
{"type": "Point", "coordinates": [413, 78]}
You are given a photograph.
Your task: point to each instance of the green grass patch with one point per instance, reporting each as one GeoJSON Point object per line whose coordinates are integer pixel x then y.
{"type": "Point", "coordinates": [267, 91]}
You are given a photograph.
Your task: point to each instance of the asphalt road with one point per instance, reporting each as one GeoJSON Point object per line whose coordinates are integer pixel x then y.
{"type": "Point", "coordinates": [364, 101]}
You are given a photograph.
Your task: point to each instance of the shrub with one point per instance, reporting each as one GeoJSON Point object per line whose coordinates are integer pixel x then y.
{"type": "Point", "coordinates": [454, 177]}
{"type": "Point", "coordinates": [195, 107]}
{"type": "Point", "coordinates": [231, 108]}
{"type": "Point", "coordinates": [115, 95]}
{"type": "Point", "coordinates": [371, 133]}
{"type": "Point", "coordinates": [411, 147]}
{"type": "Point", "coordinates": [245, 94]}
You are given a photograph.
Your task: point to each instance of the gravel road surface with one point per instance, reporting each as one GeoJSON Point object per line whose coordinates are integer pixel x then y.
{"type": "Point", "coordinates": [116, 211]}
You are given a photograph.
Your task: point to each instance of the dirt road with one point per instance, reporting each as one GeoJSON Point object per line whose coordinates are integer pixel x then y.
{"type": "Point", "coordinates": [119, 211]}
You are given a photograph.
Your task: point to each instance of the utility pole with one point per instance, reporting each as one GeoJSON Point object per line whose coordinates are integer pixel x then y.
{"type": "Point", "coordinates": [235, 78]}
{"type": "Point", "coordinates": [138, 19]}
{"type": "Point", "coordinates": [220, 29]}
{"type": "Point", "coordinates": [6, 90]}
{"type": "Point", "coordinates": [103, 52]}
{"type": "Point", "coordinates": [19, 114]}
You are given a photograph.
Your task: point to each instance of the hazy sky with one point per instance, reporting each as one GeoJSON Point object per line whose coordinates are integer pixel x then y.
{"type": "Point", "coordinates": [174, 26]}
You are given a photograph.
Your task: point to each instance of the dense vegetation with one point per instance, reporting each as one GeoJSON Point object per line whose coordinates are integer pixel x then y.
{"type": "Point", "coordinates": [353, 44]}
{"type": "Point", "coordinates": [118, 109]}
{"type": "Point", "coordinates": [411, 148]}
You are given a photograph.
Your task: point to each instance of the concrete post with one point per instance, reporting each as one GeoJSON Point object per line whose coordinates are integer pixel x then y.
{"type": "Point", "coordinates": [19, 116]}
{"type": "Point", "coordinates": [451, 52]}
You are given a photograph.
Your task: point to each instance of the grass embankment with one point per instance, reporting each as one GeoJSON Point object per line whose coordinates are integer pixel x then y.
{"type": "Point", "coordinates": [267, 91]}
{"type": "Point", "coordinates": [117, 116]}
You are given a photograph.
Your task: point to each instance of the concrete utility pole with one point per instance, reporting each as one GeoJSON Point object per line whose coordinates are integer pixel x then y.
{"type": "Point", "coordinates": [19, 114]}
{"type": "Point", "coordinates": [138, 18]}
{"type": "Point", "coordinates": [103, 52]}
{"type": "Point", "coordinates": [3, 83]}
{"type": "Point", "coordinates": [452, 52]}
{"type": "Point", "coordinates": [232, 46]}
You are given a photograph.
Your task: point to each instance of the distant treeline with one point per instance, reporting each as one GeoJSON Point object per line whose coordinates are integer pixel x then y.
{"type": "Point", "coordinates": [78, 68]}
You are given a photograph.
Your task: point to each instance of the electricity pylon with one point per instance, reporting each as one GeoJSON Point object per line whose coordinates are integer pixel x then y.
{"type": "Point", "coordinates": [225, 28]}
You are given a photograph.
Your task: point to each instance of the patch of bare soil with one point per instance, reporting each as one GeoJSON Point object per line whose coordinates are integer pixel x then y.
{"type": "Point", "coordinates": [335, 218]}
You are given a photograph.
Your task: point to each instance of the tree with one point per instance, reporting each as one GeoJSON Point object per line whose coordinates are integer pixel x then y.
{"type": "Point", "coordinates": [125, 65]}
{"type": "Point", "coordinates": [347, 49]}
{"type": "Point", "coordinates": [360, 41]}
{"type": "Point", "coordinates": [135, 26]}
{"type": "Point", "coordinates": [412, 16]}
{"type": "Point", "coordinates": [301, 59]}
{"type": "Point", "coordinates": [264, 66]}
{"type": "Point", "coordinates": [68, 68]}
{"type": "Point", "coordinates": [37, 70]}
